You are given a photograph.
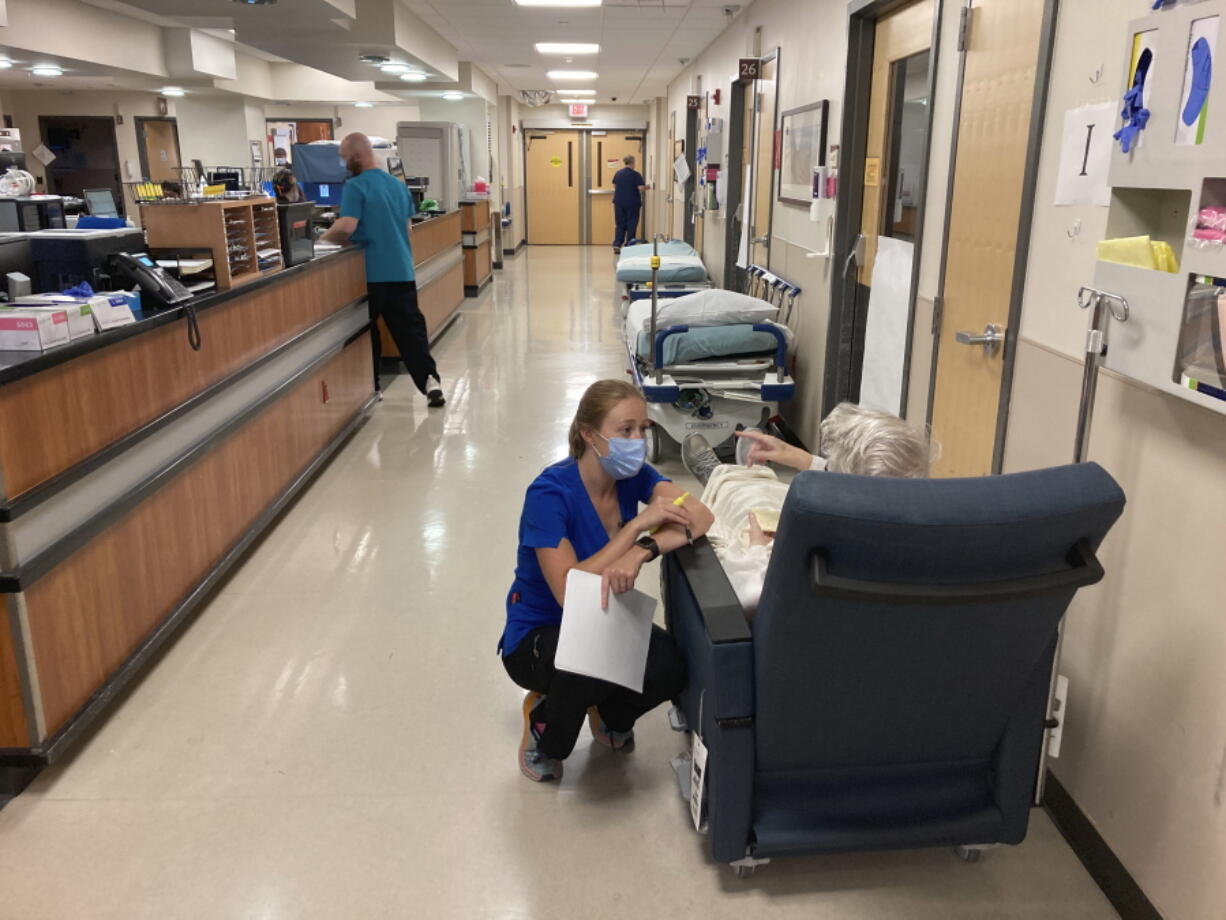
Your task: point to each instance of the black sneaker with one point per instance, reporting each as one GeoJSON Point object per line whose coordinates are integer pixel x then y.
{"type": "Point", "coordinates": [434, 393]}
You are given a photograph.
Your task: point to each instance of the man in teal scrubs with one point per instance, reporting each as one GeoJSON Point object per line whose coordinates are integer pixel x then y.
{"type": "Point", "coordinates": [375, 212]}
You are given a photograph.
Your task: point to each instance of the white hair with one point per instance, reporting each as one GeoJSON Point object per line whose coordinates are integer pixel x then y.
{"type": "Point", "coordinates": [870, 442]}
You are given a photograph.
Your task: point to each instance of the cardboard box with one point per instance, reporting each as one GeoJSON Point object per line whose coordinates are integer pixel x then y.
{"type": "Point", "coordinates": [80, 314]}
{"type": "Point", "coordinates": [99, 312]}
{"type": "Point", "coordinates": [115, 309]}
{"type": "Point", "coordinates": [33, 330]}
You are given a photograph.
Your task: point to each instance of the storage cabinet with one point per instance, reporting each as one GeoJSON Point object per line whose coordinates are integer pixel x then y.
{"type": "Point", "coordinates": [243, 235]}
{"type": "Point", "coordinates": [478, 240]}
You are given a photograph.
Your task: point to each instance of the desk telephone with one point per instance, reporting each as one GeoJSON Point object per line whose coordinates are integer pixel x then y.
{"type": "Point", "coordinates": [160, 287]}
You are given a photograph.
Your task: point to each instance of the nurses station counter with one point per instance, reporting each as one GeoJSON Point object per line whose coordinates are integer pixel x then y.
{"type": "Point", "coordinates": [134, 471]}
{"type": "Point", "coordinates": [438, 263]}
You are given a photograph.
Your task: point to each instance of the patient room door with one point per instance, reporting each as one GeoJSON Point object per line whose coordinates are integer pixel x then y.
{"type": "Point", "coordinates": [606, 150]}
{"type": "Point", "coordinates": [555, 182]}
{"type": "Point", "coordinates": [1007, 46]}
{"type": "Point", "coordinates": [765, 148]}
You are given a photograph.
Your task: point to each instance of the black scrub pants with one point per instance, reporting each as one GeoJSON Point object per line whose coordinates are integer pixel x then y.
{"type": "Point", "coordinates": [396, 302]}
{"type": "Point", "coordinates": [568, 695]}
{"type": "Point", "coordinates": [627, 223]}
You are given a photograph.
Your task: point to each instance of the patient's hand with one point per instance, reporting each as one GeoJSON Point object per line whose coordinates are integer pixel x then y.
{"type": "Point", "coordinates": [767, 448]}
{"type": "Point", "coordinates": [758, 536]}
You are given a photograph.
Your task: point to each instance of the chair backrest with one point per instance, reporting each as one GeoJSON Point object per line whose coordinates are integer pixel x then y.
{"type": "Point", "coordinates": [940, 600]}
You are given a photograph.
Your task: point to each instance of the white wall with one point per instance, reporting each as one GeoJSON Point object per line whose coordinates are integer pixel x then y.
{"type": "Point", "coordinates": [1145, 737]}
{"type": "Point", "coordinates": [473, 114]}
{"type": "Point", "coordinates": [214, 130]}
{"type": "Point", "coordinates": [812, 38]}
{"type": "Point", "coordinates": [556, 115]}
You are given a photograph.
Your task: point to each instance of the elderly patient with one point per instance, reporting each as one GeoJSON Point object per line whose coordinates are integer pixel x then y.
{"type": "Point", "coordinates": [746, 500]}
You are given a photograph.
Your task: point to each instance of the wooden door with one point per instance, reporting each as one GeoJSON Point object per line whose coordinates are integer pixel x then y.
{"type": "Point", "coordinates": [605, 152]}
{"type": "Point", "coordinates": [1001, 65]}
{"type": "Point", "coordinates": [160, 148]}
{"type": "Point", "coordinates": [309, 131]}
{"type": "Point", "coordinates": [553, 187]}
{"type": "Point", "coordinates": [765, 147]}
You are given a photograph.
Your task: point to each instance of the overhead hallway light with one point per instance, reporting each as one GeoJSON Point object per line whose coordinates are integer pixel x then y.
{"type": "Point", "coordinates": [572, 75]}
{"type": "Point", "coordinates": [567, 48]}
{"type": "Point", "coordinates": [558, 2]}
{"type": "Point", "coordinates": [453, 97]}
{"type": "Point", "coordinates": [172, 91]}
{"type": "Point", "coordinates": [576, 92]}
{"type": "Point", "coordinates": [5, 64]}
{"type": "Point", "coordinates": [414, 77]}
{"type": "Point", "coordinates": [393, 67]}
{"type": "Point", "coordinates": [363, 105]}
{"type": "Point", "coordinates": [47, 71]}
{"type": "Point", "coordinates": [255, 2]}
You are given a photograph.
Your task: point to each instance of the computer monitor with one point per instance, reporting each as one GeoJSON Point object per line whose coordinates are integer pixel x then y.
{"type": "Point", "coordinates": [395, 166]}
{"type": "Point", "coordinates": [232, 179]}
{"type": "Point", "coordinates": [101, 202]}
{"type": "Point", "coordinates": [323, 193]}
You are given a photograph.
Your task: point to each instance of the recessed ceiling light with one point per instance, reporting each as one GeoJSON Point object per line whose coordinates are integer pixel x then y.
{"type": "Point", "coordinates": [363, 105]}
{"type": "Point", "coordinates": [453, 97]}
{"type": "Point", "coordinates": [572, 75]}
{"type": "Point", "coordinates": [46, 71]}
{"type": "Point", "coordinates": [567, 48]}
{"type": "Point", "coordinates": [558, 2]}
{"type": "Point", "coordinates": [415, 77]}
{"type": "Point", "coordinates": [172, 91]}
{"type": "Point", "coordinates": [393, 67]}
{"type": "Point", "coordinates": [5, 64]}
{"type": "Point", "coordinates": [576, 92]}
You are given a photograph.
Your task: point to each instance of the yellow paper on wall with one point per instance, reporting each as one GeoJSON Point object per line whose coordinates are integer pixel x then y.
{"type": "Point", "coordinates": [1137, 251]}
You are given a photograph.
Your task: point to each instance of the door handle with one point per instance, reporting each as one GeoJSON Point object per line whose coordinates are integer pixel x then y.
{"type": "Point", "coordinates": [991, 339]}
{"type": "Point", "coordinates": [600, 191]}
{"type": "Point", "coordinates": [760, 239]}
{"type": "Point", "coordinates": [856, 256]}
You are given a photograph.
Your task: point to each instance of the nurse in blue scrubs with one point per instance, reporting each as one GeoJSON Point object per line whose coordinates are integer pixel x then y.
{"type": "Point", "coordinates": [602, 510]}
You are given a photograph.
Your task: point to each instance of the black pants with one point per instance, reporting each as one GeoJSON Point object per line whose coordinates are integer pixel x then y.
{"type": "Point", "coordinates": [396, 302]}
{"type": "Point", "coordinates": [627, 218]}
{"type": "Point", "coordinates": [569, 695]}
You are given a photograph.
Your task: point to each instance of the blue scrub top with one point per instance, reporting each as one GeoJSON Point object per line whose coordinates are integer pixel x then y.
{"type": "Point", "coordinates": [626, 182]}
{"type": "Point", "coordinates": [382, 204]}
{"type": "Point", "coordinates": [557, 506]}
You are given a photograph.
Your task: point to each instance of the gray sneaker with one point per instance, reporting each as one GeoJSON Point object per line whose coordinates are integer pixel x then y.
{"type": "Point", "coordinates": [698, 457]}
{"type": "Point", "coordinates": [532, 762]}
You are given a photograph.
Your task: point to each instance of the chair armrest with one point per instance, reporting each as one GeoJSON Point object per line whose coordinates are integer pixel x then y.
{"type": "Point", "coordinates": [708, 624]}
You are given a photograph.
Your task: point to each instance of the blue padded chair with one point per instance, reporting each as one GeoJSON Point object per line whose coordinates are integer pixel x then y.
{"type": "Point", "coordinates": [892, 692]}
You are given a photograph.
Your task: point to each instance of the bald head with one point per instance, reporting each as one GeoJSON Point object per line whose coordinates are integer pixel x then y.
{"type": "Point", "coordinates": [357, 152]}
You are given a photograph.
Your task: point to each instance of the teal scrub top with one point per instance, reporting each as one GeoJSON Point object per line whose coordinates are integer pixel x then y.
{"type": "Point", "coordinates": [382, 205]}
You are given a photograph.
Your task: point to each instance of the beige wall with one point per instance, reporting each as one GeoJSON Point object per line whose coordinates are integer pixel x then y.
{"type": "Point", "coordinates": [812, 38]}
{"type": "Point", "coordinates": [1145, 739]}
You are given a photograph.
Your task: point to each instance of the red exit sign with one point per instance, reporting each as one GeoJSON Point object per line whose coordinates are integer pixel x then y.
{"type": "Point", "coordinates": [578, 109]}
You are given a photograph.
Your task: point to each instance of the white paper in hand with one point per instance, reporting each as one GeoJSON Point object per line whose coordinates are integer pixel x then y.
{"type": "Point", "coordinates": [606, 644]}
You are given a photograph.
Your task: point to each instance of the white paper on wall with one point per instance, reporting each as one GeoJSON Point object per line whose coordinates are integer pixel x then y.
{"type": "Point", "coordinates": [742, 252]}
{"type": "Point", "coordinates": [885, 338]}
{"type": "Point", "coordinates": [1085, 155]}
{"type": "Point", "coordinates": [681, 169]}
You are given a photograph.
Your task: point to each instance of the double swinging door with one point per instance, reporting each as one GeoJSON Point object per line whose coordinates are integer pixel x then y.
{"type": "Point", "coordinates": [570, 183]}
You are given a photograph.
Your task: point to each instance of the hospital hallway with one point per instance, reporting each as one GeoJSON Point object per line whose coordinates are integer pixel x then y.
{"type": "Point", "coordinates": [333, 734]}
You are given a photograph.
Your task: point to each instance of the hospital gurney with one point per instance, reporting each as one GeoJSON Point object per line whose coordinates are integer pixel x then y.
{"type": "Point", "coordinates": [713, 379]}
{"type": "Point", "coordinates": [680, 271]}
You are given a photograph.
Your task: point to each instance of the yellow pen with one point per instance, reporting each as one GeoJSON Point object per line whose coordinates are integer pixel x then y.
{"type": "Point", "coordinates": [678, 502]}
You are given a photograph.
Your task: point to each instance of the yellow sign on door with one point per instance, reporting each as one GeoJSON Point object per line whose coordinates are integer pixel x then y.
{"type": "Point", "coordinates": [555, 161]}
{"type": "Point", "coordinates": [872, 172]}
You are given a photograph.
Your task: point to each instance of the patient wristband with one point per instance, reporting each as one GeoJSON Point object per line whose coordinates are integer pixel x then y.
{"type": "Point", "coordinates": [649, 544]}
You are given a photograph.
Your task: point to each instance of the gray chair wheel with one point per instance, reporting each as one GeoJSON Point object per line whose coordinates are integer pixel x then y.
{"type": "Point", "coordinates": [968, 854]}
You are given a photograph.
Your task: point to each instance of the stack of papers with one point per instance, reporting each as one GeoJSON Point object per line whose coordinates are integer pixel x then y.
{"type": "Point", "coordinates": [606, 644]}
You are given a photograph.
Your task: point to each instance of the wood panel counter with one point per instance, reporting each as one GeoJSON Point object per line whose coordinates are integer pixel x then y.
{"type": "Point", "coordinates": [134, 471]}
{"type": "Point", "coordinates": [478, 245]}
{"type": "Point", "coordinates": [439, 266]}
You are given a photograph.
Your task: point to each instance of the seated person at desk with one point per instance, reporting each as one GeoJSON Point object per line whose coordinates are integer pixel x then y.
{"type": "Point", "coordinates": [746, 500]}
{"type": "Point", "coordinates": [285, 184]}
{"type": "Point", "coordinates": [583, 513]}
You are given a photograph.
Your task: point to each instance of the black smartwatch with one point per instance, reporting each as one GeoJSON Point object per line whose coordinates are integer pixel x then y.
{"type": "Point", "coordinates": [648, 544]}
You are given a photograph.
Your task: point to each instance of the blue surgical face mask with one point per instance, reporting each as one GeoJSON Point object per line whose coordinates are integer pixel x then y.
{"type": "Point", "coordinates": [626, 456]}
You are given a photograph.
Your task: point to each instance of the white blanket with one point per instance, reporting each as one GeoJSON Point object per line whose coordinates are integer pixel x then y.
{"type": "Point", "coordinates": [731, 493]}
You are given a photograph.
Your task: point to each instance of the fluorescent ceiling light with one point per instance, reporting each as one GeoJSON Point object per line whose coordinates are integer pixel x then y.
{"type": "Point", "coordinates": [576, 92]}
{"type": "Point", "coordinates": [395, 68]}
{"type": "Point", "coordinates": [567, 48]}
{"type": "Point", "coordinates": [453, 97]}
{"type": "Point", "coordinates": [172, 91]}
{"type": "Point", "coordinates": [415, 77]}
{"type": "Point", "coordinates": [362, 105]}
{"type": "Point", "coordinates": [558, 2]}
{"type": "Point", "coordinates": [572, 75]}
{"type": "Point", "coordinates": [46, 71]}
